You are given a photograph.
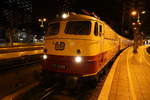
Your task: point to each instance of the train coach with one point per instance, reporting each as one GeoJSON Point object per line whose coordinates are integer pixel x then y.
{"type": "Point", "coordinates": [79, 46]}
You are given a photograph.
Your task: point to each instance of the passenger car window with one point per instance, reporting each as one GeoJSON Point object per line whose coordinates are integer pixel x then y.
{"type": "Point", "coordinates": [53, 28]}
{"type": "Point", "coordinates": [96, 29]}
{"type": "Point", "coordinates": [78, 27]}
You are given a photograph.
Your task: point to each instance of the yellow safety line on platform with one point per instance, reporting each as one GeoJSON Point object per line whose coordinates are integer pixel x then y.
{"type": "Point", "coordinates": [130, 80]}
{"type": "Point", "coordinates": [107, 85]}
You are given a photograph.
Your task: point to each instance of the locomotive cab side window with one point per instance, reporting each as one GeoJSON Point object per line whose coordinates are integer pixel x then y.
{"type": "Point", "coordinates": [53, 28]}
{"type": "Point", "coordinates": [100, 30]}
{"type": "Point", "coordinates": [78, 27]}
{"type": "Point", "coordinates": [96, 29]}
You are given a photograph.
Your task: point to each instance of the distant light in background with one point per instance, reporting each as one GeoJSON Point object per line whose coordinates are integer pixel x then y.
{"type": "Point", "coordinates": [139, 23]}
{"type": "Point", "coordinates": [39, 20]}
{"type": "Point", "coordinates": [42, 20]}
{"type": "Point", "coordinates": [21, 36]}
{"type": "Point", "coordinates": [134, 13]}
{"type": "Point", "coordinates": [35, 39]}
{"type": "Point", "coordinates": [65, 15]}
{"type": "Point", "coordinates": [133, 23]}
{"type": "Point", "coordinates": [21, 39]}
{"type": "Point", "coordinates": [143, 12]}
{"type": "Point", "coordinates": [134, 28]}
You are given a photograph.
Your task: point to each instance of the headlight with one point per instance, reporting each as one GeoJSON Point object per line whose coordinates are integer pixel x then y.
{"type": "Point", "coordinates": [45, 56]}
{"type": "Point", "coordinates": [78, 59]}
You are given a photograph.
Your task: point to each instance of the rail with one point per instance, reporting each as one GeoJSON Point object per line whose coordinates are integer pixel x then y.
{"type": "Point", "coordinates": [48, 91]}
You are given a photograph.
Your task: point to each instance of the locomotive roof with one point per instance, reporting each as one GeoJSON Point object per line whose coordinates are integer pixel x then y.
{"type": "Point", "coordinates": [74, 16]}
{"type": "Point", "coordinates": [77, 17]}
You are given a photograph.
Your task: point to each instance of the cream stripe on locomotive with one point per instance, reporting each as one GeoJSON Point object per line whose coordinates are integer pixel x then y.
{"type": "Point", "coordinates": [72, 46]}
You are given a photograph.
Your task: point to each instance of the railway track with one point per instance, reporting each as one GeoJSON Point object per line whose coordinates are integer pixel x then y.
{"type": "Point", "coordinates": [56, 90]}
{"type": "Point", "coordinates": [49, 91]}
{"type": "Point", "coordinates": [40, 91]}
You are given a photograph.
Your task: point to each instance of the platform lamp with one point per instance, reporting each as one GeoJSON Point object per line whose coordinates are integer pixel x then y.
{"type": "Point", "coordinates": [42, 20]}
{"type": "Point", "coordinates": [136, 27]}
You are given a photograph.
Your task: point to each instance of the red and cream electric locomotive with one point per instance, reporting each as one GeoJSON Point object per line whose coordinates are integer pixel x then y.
{"type": "Point", "coordinates": [79, 46]}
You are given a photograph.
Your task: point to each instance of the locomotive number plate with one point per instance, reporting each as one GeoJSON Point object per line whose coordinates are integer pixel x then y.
{"type": "Point", "coordinates": [58, 66]}
{"type": "Point", "coordinates": [59, 46]}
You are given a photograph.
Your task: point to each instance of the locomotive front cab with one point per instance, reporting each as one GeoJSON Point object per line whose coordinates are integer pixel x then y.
{"type": "Point", "coordinates": [70, 47]}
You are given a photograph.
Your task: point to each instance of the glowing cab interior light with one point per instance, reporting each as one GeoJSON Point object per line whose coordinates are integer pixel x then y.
{"type": "Point", "coordinates": [78, 59]}
{"type": "Point", "coordinates": [65, 15]}
{"type": "Point", "coordinates": [45, 56]}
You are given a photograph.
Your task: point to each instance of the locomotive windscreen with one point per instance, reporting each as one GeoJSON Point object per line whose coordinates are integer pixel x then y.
{"type": "Point", "coordinates": [53, 28]}
{"type": "Point", "coordinates": [78, 27]}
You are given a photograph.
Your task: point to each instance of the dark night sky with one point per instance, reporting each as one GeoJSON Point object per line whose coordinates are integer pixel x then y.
{"type": "Point", "coordinates": [108, 10]}
{"type": "Point", "coordinates": [103, 8]}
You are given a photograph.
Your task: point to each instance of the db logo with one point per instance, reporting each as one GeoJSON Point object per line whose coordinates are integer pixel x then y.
{"type": "Point", "coordinates": [59, 46]}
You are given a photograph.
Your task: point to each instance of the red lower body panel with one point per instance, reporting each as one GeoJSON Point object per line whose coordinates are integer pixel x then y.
{"type": "Point", "coordinates": [67, 65]}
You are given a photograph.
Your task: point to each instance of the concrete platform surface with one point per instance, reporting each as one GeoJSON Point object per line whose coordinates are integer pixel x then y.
{"type": "Point", "coordinates": [129, 77]}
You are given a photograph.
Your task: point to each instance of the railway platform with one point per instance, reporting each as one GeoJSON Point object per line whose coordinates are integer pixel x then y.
{"type": "Point", "coordinates": [20, 49]}
{"type": "Point", "coordinates": [129, 77]}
